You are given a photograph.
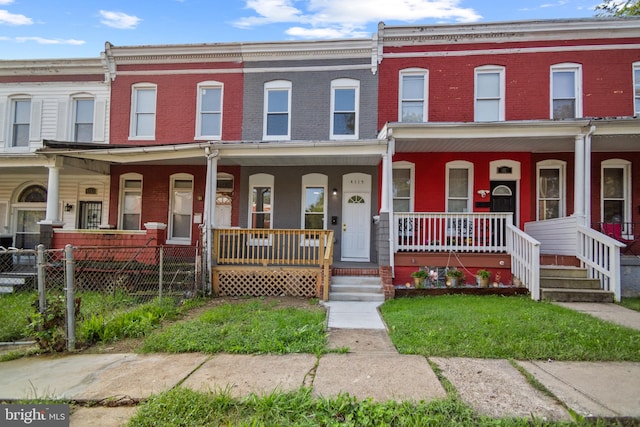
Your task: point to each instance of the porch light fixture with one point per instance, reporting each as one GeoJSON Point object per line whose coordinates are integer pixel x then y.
{"type": "Point", "coordinates": [483, 193]}
{"type": "Point", "coordinates": [334, 191]}
{"type": "Point", "coordinates": [68, 207]}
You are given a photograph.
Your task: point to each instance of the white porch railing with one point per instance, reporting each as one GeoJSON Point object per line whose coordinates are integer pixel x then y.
{"type": "Point", "coordinates": [456, 232]}
{"type": "Point", "coordinates": [525, 259]}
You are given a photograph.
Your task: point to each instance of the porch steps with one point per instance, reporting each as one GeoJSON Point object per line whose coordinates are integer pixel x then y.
{"type": "Point", "coordinates": [571, 284]}
{"type": "Point", "coordinates": [356, 288]}
{"type": "Point", "coordinates": [9, 283]}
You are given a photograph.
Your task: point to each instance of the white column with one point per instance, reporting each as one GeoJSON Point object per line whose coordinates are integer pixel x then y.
{"type": "Point", "coordinates": [587, 177]}
{"type": "Point", "coordinates": [579, 180]}
{"type": "Point", "coordinates": [210, 205]}
{"type": "Point", "coordinates": [53, 196]}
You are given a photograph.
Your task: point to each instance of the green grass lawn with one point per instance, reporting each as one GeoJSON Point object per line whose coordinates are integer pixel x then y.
{"type": "Point", "coordinates": [632, 303]}
{"type": "Point", "coordinates": [14, 312]}
{"type": "Point", "coordinates": [504, 327]}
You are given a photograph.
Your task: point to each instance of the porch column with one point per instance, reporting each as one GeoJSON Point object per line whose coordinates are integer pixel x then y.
{"type": "Point", "coordinates": [210, 205]}
{"type": "Point", "coordinates": [587, 176]}
{"type": "Point", "coordinates": [579, 180]}
{"type": "Point", "coordinates": [53, 195]}
{"type": "Point", "coordinates": [387, 200]}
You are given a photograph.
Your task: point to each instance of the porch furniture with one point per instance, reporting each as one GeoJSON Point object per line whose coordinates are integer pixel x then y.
{"type": "Point", "coordinates": [615, 231]}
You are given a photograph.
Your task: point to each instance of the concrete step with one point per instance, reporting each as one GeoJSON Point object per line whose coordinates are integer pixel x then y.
{"type": "Point", "coordinates": [356, 288]}
{"type": "Point", "coordinates": [357, 296]}
{"type": "Point", "coordinates": [576, 295]}
{"type": "Point", "coordinates": [355, 280]}
{"type": "Point", "coordinates": [562, 271]}
{"type": "Point", "coordinates": [569, 283]}
{"type": "Point", "coordinates": [8, 284]}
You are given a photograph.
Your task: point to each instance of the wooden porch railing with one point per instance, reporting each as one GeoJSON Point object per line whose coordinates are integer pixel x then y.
{"type": "Point", "coordinates": [461, 232]}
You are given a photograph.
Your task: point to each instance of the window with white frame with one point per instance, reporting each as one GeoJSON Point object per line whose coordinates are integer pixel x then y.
{"type": "Point", "coordinates": [403, 178]}
{"type": "Point", "coordinates": [616, 192]}
{"type": "Point", "coordinates": [636, 88]}
{"type": "Point", "coordinates": [413, 95]}
{"type": "Point", "coordinates": [345, 102]}
{"type": "Point", "coordinates": [181, 208]}
{"type": "Point", "coordinates": [130, 201]}
{"type": "Point", "coordinates": [314, 201]}
{"type": "Point", "coordinates": [83, 119]}
{"type": "Point", "coordinates": [489, 94]}
{"type": "Point", "coordinates": [209, 116]}
{"type": "Point", "coordinates": [20, 122]}
{"type": "Point", "coordinates": [261, 201]}
{"type": "Point", "coordinates": [143, 112]}
{"type": "Point", "coordinates": [566, 91]}
{"type": "Point", "coordinates": [551, 189]}
{"type": "Point", "coordinates": [459, 186]}
{"type": "Point", "coordinates": [277, 110]}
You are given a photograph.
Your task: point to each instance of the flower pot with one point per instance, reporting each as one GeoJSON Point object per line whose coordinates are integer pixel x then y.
{"type": "Point", "coordinates": [483, 282]}
{"type": "Point", "coordinates": [451, 282]}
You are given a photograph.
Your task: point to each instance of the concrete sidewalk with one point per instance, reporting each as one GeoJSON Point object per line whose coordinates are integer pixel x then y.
{"type": "Point", "coordinates": [372, 369]}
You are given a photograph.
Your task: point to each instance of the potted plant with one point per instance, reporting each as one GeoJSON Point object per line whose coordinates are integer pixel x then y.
{"type": "Point", "coordinates": [419, 278]}
{"type": "Point", "coordinates": [454, 277]}
{"type": "Point", "coordinates": [483, 277]}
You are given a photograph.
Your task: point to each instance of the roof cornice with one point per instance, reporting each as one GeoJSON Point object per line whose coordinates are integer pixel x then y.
{"type": "Point", "coordinates": [510, 31]}
{"type": "Point", "coordinates": [52, 67]}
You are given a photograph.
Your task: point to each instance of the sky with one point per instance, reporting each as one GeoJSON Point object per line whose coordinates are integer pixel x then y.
{"type": "Point", "coordinates": [43, 29]}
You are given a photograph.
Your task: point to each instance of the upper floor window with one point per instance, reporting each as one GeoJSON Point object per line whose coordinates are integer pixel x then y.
{"type": "Point", "coordinates": [566, 91]}
{"type": "Point", "coordinates": [489, 94]}
{"type": "Point", "coordinates": [83, 119]}
{"type": "Point", "coordinates": [413, 95]}
{"type": "Point", "coordinates": [551, 189]}
{"type": "Point", "coordinates": [209, 116]}
{"type": "Point", "coordinates": [459, 186]}
{"type": "Point", "coordinates": [20, 122]}
{"type": "Point", "coordinates": [403, 179]}
{"type": "Point", "coordinates": [345, 95]}
{"type": "Point", "coordinates": [636, 88]}
{"type": "Point", "coordinates": [130, 201]}
{"type": "Point", "coordinates": [261, 201]}
{"type": "Point", "coordinates": [277, 110]}
{"type": "Point", "coordinates": [143, 112]}
{"type": "Point", "coordinates": [181, 208]}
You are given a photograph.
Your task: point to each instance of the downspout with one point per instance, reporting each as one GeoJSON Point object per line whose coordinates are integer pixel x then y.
{"type": "Point", "coordinates": [389, 185]}
{"type": "Point", "coordinates": [209, 208]}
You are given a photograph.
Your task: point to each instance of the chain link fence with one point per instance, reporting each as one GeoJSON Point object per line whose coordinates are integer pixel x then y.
{"type": "Point", "coordinates": [88, 276]}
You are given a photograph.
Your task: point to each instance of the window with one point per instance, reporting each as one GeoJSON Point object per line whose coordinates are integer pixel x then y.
{"type": "Point", "coordinates": [314, 201]}
{"type": "Point", "coordinates": [83, 120]}
{"type": "Point", "coordinates": [20, 120]}
{"type": "Point", "coordinates": [413, 95]}
{"type": "Point", "coordinates": [277, 105]}
{"type": "Point", "coordinates": [566, 90]}
{"type": "Point", "coordinates": [489, 87]}
{"type": "Point", "coordinates": [551, 189]}
{"type": "Point", "coordinates": [261, 202]}
{"type": "Point", "coordinates": [345, 95]}
{"type": "Point", "coordinates": [143, 112]}
{"type": "Point", "coordinates": [616, 192]}
{"type": "Point", "coordinates": [130, 201]}
{"type": "Point", "coordinates": [181, 208]}
{"type": "Point", "coordinates": [459, 185]}
{"type": "Point", "coordinates": [209, 119]}
{"type": "Point", "coordinates": [403, 178]}
{"type": "Point", "coordinates": [636, 88]}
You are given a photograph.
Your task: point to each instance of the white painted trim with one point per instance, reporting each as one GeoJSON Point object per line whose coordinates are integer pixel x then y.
{"type": "Point", "coordinates": [208, 85]}
{"type": "Point", "coordinates": [490, 69]}
{"type": "Point", "coordinates": [460, 164]}
{"type": "Point", "coordinates": [260, 180]}
{"type": "Point", "coordinates": [636, 84]}
{"type": "Point", "coordinates": [345, 83]}
{"type": "Point", "coordinates": [172, 179]}
{"type": "Point", "coordinates": [425, 100]}
{"type": "Point", "coordinates": [412, 175]}
{"type": "Point", "coordinates": [131, 176]}
{"type": "Point", "coordinates": [133, 119]}
{"type": "Point", "coordinates": [561, 166]}
{"type": "Point", "coordinates": [576, 69]}
{"type": "Point", "coordinates": [273, 86]}
{"type": "Point", "coordinates": [625, 165]}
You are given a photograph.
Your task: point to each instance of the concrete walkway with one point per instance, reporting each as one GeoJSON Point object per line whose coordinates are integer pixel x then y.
{"type": "Point", "coordinates": [371, 368]}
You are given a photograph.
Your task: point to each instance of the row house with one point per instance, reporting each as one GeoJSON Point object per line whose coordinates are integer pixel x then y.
{"type": "Point", "coordinates": [499, 146]}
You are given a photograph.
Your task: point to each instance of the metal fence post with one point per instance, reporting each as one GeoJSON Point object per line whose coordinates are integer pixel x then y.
{"type": "Point", "coordinates": [71, 299]}
{"type": "Point", "coordinates": [42, 296]}
{"type": "Point", "coordinates": [161, 275]}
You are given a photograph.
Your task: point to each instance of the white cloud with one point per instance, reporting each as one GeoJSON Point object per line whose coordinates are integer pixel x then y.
{"type": "Point", "coordinates": [119, 20]}
{"type": "Point", "coordinates": [41, 40]}
{"type": "Point", "coordinates": [340, 18]}
{"type": "Point", "coordinates": [13, 19]}
{"type": "Point", "coordinates": [4, 2]}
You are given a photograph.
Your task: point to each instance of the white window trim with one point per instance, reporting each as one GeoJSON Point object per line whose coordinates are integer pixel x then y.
{"type": "Point", "coordinates": [133, 118]}
{"type": "Point", "coordinates": [72, 122]}
{"type": "Point", "coordinates": [127, 177]}
{"type": "Point", "coordinates": [178, 240]}
{"type": "Point", "coordinates": [577, 70]}
{"type": "Point", "coordinates": [276, 85]}
{"type": "Point", "coordinates": [12, 111]}
{"type": "Point", "coordinates": [313, 180]}
{"type": "Point", "coordinates": [346, 84]}
{"type": "Point", "coordinates": [625, 165]}
{"type": "Point", "coordinates": [260, 180]}
{"type": "Point", "coordinates": [562, 168]}
{"type": "Point", "coordinates": [412, 174]}
{"type": "Point", "coordinates": [208, 85]}
{"type": "Point", "coordinates": [490, 69]}
{"type": "Point", "coordinates": [460, 164]}
{"type": "Point", "coordinates": [636, 83]}
{"type": "Point", "coordinates": [425, 105]}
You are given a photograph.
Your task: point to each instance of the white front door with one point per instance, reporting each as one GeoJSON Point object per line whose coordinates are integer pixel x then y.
{"type": "Point", "coordinates": [356, 226]}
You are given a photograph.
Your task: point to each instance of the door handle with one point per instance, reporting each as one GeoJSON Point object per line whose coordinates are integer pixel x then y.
{"type": "Point", "coordinates": [344, 227]}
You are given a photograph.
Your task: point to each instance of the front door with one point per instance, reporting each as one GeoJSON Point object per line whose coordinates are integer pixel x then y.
{"type": "Point", "coordinates": [356, 226]}
{"type": "Point", "coordinates": [27, 228]}
{"type": "Point", "coordinates": [503, 197]}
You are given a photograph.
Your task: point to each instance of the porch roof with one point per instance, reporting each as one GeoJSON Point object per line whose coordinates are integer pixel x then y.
{"type": "Point", "coordinates": [241, 153]}
{"type": "Point", "coordinates": [537, 136]}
